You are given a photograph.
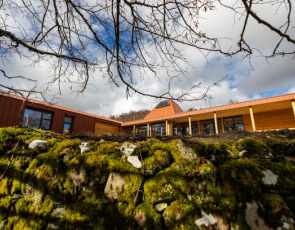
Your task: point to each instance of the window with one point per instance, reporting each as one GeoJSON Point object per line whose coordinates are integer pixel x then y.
{"type": "Point", "coordinates": [159, 129]}
{"type": "Point", "coordinates": [68, 121]}
{"type": "Point", "coordinates": [233, 123]}
{"type": "Point", "coordinates": [37, 119]}
{"type": "Point", "coordinates": [162, 104]}
{"type": "Point", "coordinates": [208, 126]}
{"type": "Point", "coordinates": [142, 130]}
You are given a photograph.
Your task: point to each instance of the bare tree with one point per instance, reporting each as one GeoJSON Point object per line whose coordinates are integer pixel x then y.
{"type": "Point", "coordinates": [118, 39]}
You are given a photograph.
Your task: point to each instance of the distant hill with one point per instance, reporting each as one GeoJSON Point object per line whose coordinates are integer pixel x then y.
{"type": "Point", "coordinates": [131, 116]}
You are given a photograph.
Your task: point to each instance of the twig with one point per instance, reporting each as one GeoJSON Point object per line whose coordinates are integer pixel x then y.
{"type": "Point", "coordinates": [11, 158]}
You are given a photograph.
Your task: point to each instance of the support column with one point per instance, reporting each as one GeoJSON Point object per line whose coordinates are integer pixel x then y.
{"type": "Point", "coordinates": [199, 127]}
{"type": "Point", "coordinates": [222, 124]}
{"type": "Point", "coordinates": [134, 130]}
{"type": "Point", "coordinates": [293, 105]}
{"type": "Point", "coordinates": [167, 128]}
{"type": "Point", "coordinates": [252, 119]}
{"type": "Point", "coordinates": [148, 129]}
{"type": "Point", "coordinates": [190, 125]}
{"type": "Point", "coordinates": [215, 122]}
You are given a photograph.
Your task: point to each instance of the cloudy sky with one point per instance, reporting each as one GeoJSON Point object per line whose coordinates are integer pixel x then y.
{"type": "Point", "coordinates": [246, 79]}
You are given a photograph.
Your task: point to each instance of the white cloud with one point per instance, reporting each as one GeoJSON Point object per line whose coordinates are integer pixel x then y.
{"type": "Point", "coordinates": [242, 83]}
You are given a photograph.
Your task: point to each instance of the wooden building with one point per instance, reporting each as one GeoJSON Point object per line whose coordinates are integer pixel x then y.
{"type": "Point", "coordinates": [167, 118]}
{"type": "Point", "coordinates": [36, 114]}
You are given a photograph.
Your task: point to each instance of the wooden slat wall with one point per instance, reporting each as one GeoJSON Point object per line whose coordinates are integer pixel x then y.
{"type": "Point", "coordinates": [277, 119]}
{"type": "Point", "coordinates": [10, 109]}
{"type": "Point", "coordinates": [102, 128]}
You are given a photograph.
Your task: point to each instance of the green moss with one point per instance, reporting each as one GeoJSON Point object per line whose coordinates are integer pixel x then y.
{"type": "Point", "coordinates": [4, 186]}
{"type": "Point", "coordinates": [281, 147]}
{"type": "Point", "coordinates": [58, 147]}
{"type": "Point", "coordinates": [188, 164]}
{"type": "Point", "coordinates": [84, 213]}
{"type": "Point", "coordinates": [108, 147]}
{"type": "Point", "coordinates": [219, 152]}
{"type": "Point", "coordinates": [8, 136]}
{"type": "Point", "coordinates": [243, 176]}
{"type": "Point", "coordinates": [254, 147]}
{"type": "Point", "coordinates": [275, 209]}
{"type": "Point", "coordinates": [153, 218]}
{"type": "Point", "coordinates": [199, 147]}
{"type": "Point", "coordinates": [228, 207]}
{"type": "Point", "coordinates": [206, 195]}
{"type": "Point", "coordinates": [180, 215]}
{"type": "Point", "coordinates": [208, 171]}
{"type": "Point", "coordinates": [158, 161]}
{"type": "Point", "coordinates": [5, 204]}
{"type": "Point", "coordinates": [286, 175]}
{"type": "Point", "coordinates": [45, 171]}
{"type": "Point", "coordinates": [167, 185]}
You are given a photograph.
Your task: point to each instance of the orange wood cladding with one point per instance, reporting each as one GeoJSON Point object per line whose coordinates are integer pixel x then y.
{"type": "Point", "coordinates": [276, 119]}
{"type": "Point", "coordinates": [103, 128]}
{"type": "Point", "coordinates": [10, 107]}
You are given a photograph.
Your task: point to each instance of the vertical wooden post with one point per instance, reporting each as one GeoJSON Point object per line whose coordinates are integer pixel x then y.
{"type": "Point", "coordinates": [190, 125]}
{"type": "Point", "coordinates": [215, 122]}
{"type": "Point", "coordinates": [134, 130]}
{"type": "Point", "coordinates": [252, 119]}
{"type": "Point", "coordinates": [293, 105]}
{"type": "Point", "coordinates": [222, 124]}
{"type": "Point", "coordinates": [148, 129]}
{"type": "Point", "coordinates": [199, 127]}
{"type": "Point", "coordinates": [167, 128]}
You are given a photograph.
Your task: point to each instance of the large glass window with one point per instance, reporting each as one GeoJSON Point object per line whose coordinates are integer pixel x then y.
{"type": "Point", "coordinates": [233, 123]}
{"type": "Point", "coordinates": [37, 119]}
{"type": "Point", "coordinates": [159, 129]}
{"type": "Point", "coordinates": [208, 127]}
{"type": "Point", "coordinates": [142, 130]}
{"type": "Point", "coordinates": [68, 124]}
{"type": "Point", "coordinates": [195, 128]}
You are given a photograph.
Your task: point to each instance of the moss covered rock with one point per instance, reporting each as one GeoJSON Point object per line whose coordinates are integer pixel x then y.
{"type": "Point", "coordinates": [255, 148]}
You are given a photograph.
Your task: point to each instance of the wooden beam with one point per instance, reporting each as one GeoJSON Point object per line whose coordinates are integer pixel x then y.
{"type": "Point", "coordinates": [222, 124]}
{"type": "Point", "coordinates": [190, 125]}
{"type": "Point", "coordinates": [134, 130]}
{"type": "Point", "coordinates": [293, 106]}
{"type": "Point", "coordinates": [252, 119]}
{"type": "Point", "coordinates": [215, 122]}
{"type": "Point", "coordinates": [148, 130]}
{"type": "Point", "coordinates": [167, 128]}
{"type": "Point", "coordinates": [199, 127]}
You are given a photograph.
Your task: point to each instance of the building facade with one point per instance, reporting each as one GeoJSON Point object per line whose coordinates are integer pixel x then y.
{"type": "Point", "coordinates": [15, 110]}
{"type": "Point", "coordinates": [166, 119]}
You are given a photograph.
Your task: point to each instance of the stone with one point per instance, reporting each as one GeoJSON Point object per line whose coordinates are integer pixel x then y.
{"type": "Point", "coordinates": [84, 144]}
{"type": "Point", "coordinates": [243, 153]}
{"type": "Point", "coordinates": [127, 149]}
{"type": "Point", "coordinates": [185, 151]}
{"type": "Point", "coordinates": [134, 161]}
{"type": "Point", "coordinates": [269, 177]}
{"type": "Point", "coordinates": [79, 178]}
{"type": "Point", "coordinates": [84, 149]}
{"type": "Point", "coordinates": [161, 207]}
{"type": "Point", "coordinates": [205, 220]}
{"type": "Point", "coordinates": [39, 145]}
{"type": "Point", "coordinates": [221, 223]}
{"type": "Point", "coordinates": [140, 218]}
{"type": "Point", "coordinates": [102, 140]}
{"type": "Point", "coordinates": [58, 213]}
{"type": "Point", "coordinates": [252, 218]}
{"type": "Point", "coordinates": [115, 184]}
